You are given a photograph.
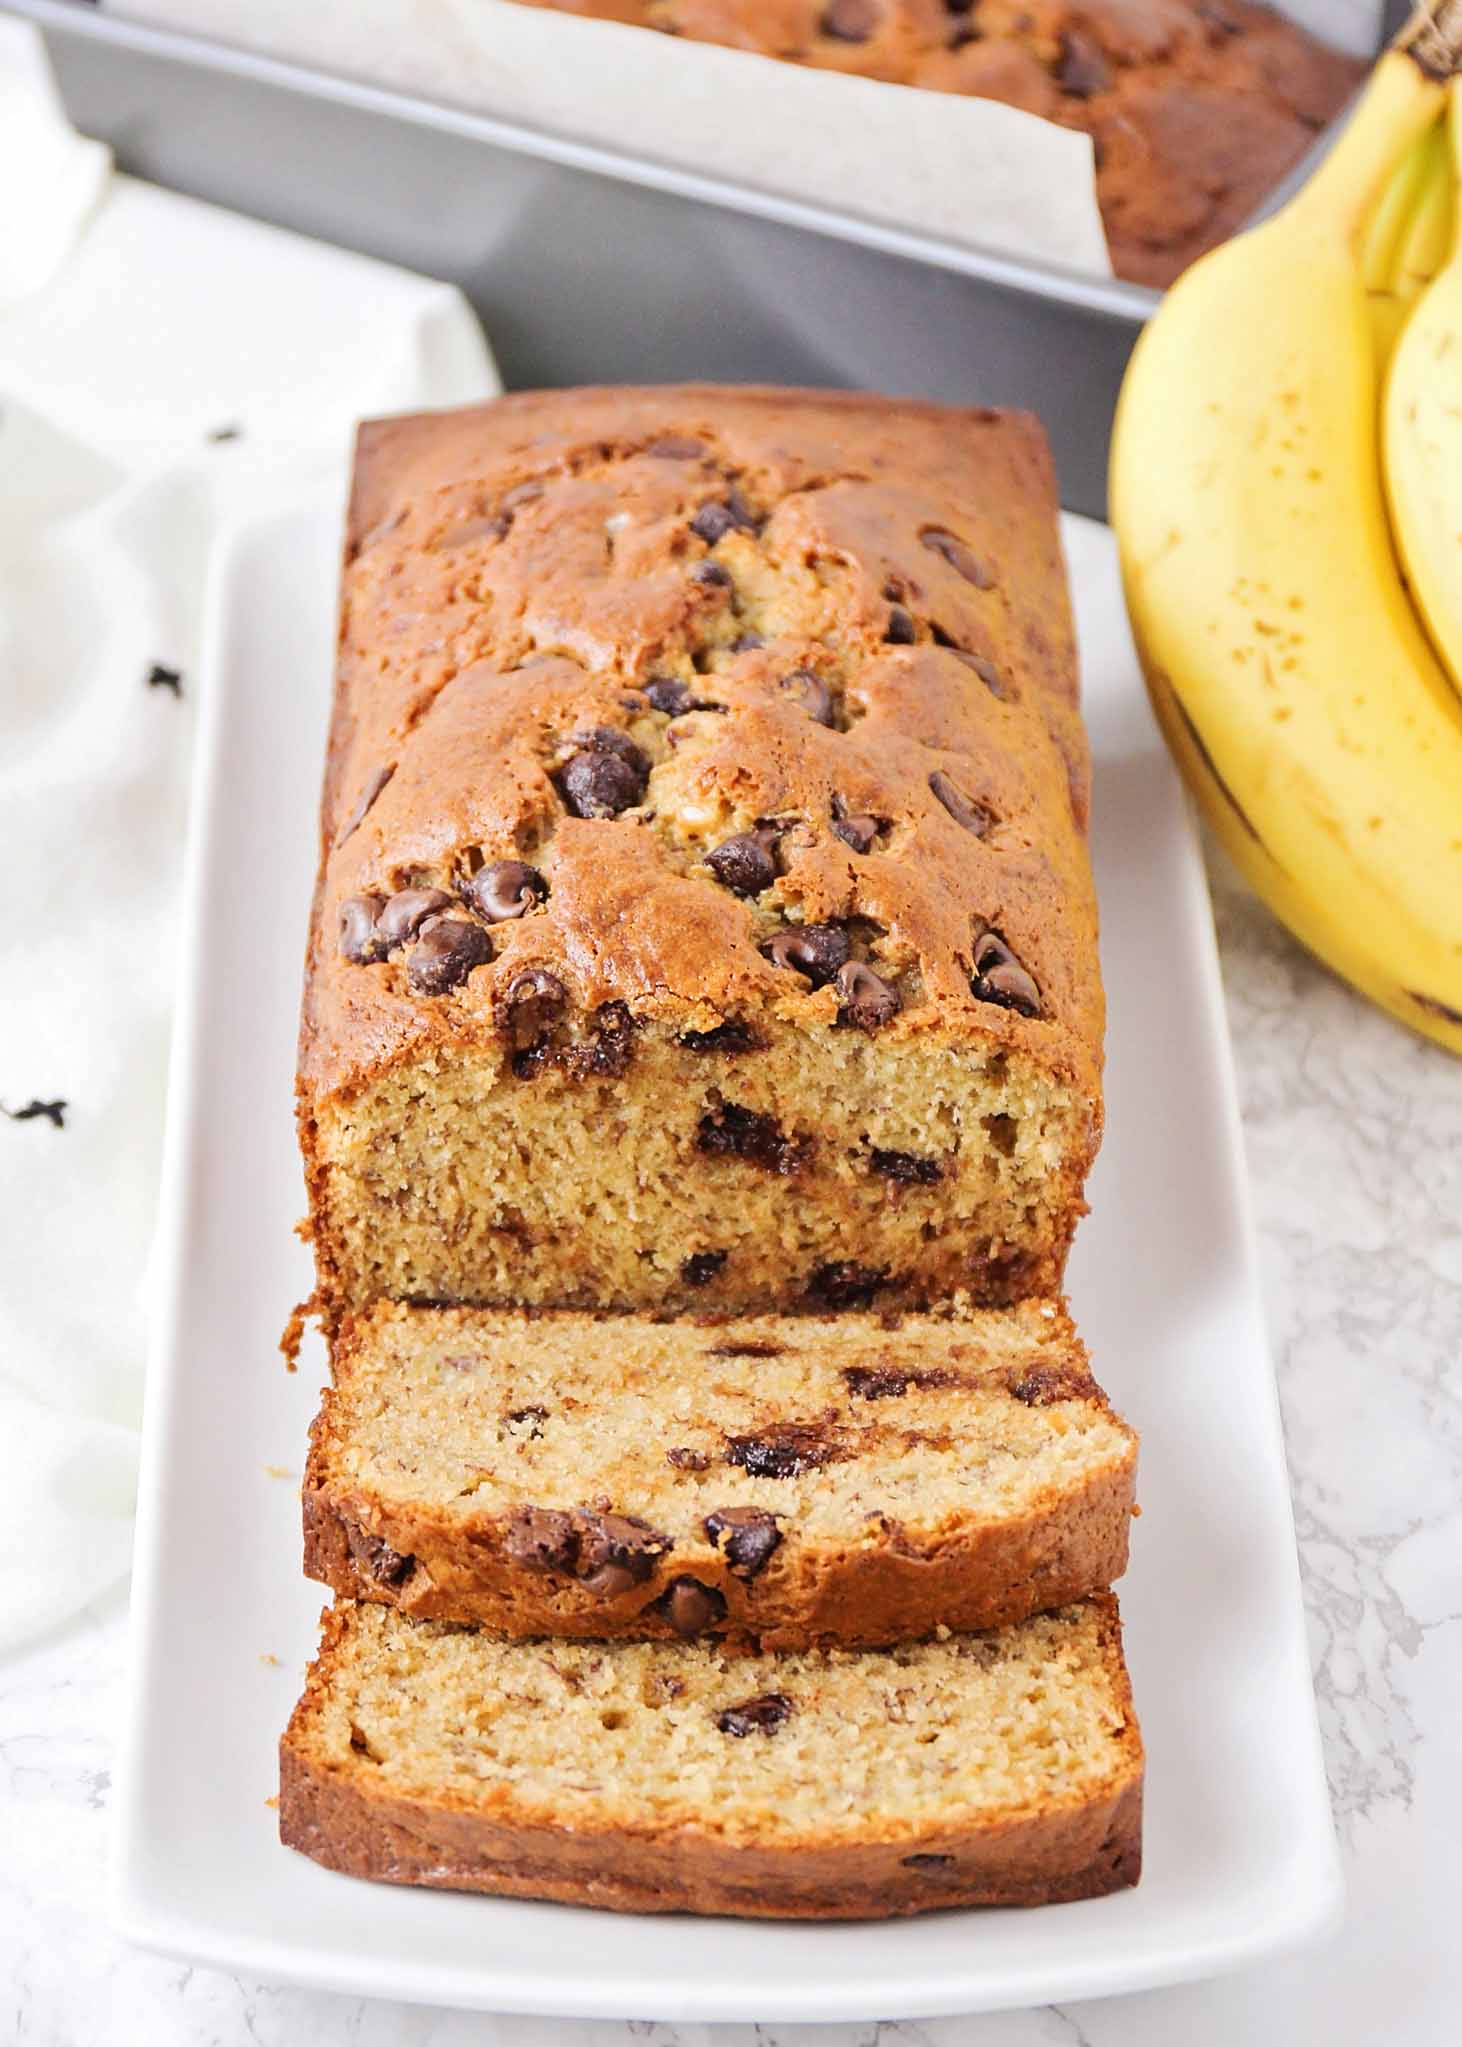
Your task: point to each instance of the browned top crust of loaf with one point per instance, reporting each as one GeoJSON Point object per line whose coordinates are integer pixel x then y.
{"type": "Point", "coordinates": [547, 655]}
{"type": "Point", "coordinates": [1197, 108]}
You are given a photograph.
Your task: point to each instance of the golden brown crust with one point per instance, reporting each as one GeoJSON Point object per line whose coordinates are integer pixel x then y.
{"type": "Point", "coordinates": [894, 1582]}
{"type": "Point", "coordinates": [1197, 107]}
{"type": "Point", "coordinates": [335, 1814]}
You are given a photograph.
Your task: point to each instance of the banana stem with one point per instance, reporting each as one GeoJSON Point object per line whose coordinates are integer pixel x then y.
{"type": "Point", "coordinates": [1398, 105]}
{"type": "Point", "coordinates": [1433, 38]}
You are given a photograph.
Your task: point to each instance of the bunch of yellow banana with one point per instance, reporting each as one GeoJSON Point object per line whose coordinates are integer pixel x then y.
{"type": "Point", "coordinates": [1286, 489]}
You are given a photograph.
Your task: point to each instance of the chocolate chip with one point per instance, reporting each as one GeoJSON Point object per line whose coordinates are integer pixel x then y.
{"type": "Point", "coordinates": [691, 1607]}
{"type": "Point", "coordinates": [963, 809]}
{"type": "Point", "coordinates": [676, 448]}
{"type": "Point", "coordinates": [730, 1037]}
{"type": "Point", "coordinates": [711, 574]}
{"type": "Point", "coordinates": [928, 1862]}
{"type": "Point", "coordinates": [785, 1450]}
{"type": "Point", "coordinates": [812, 693]}
{"type": "Point", "coordinates": [367, 797]}
{"type": "Point", "coordinates": [866, 1001]}
{"type": "Point", "coordinates": [844, 1284]}
{"type": "Point", "coordinates": [615, 1544]}
{"type": "Point", "coordinates": [718, 518]}
{"type": "Point", "coordinates": [958, 556]}
{"type": "Point", "coordinates": [751, 1538]}
{"type": "Point", "coordinates": [750, 1134]}
{"type": "Point", "coordinates": [906, 1167]}
{"type": "Point", "coordinates": [684, 1459]}
{"type": "Point", "coordinates": [376, 1558]}
{"type": "Point", "coordinates": [445, 954]}
{"type": "Point", "coordinates": [541, 1539]}
{"type": "Point", "coordinates": [504, 888]}
{"type": "Point", "coordinates": [669, 694]}
{"type": "Point", "coordinates": [1042, 1385]}
{"type": "Point", "coordinates": [702, 1266]}
{"type": "Point", "coordinates": [816, 950]}
{"type": "Point", "coordinates": [748, 1350]}
{"type": "Point", "coordinates": [1000, 978]}
{"type": "Point", "coordinates": [610, 1048]}
{"type": "Point", "coordinates": [755, 1716]}
{"type": "Point", "coordinates": [606, 776]}
{"type": "Point", "coordinates": [534, 1416]}
{"type": "Point", "coordinates": [859, 831]}
{"type": "Point", "coordinates": [850, 21]}
{"type": "Point", "coordinates": [521, 494]}
{"type": "Point", "coordinates": [747, 643]}
{"type": "Point", "coordinates": [988, 673]}
{"type": "Point", "coordinates": [1080, 68]}
{"type": "Point", "coordinates": [406, 912]}
{"type": "Point", "coordinates": [900, 630]}
{"type": "Point", "coordinates": [358, 916]}
{"type": "Point", "coordinates": [876, 1382]}
{"type": "Point", "coordinates": [534, 1001]}
{"type": "Point", "coordinates": [745, 863]}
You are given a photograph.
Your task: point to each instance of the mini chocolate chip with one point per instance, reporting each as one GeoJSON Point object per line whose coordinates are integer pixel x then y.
{"type": "Point", "coordinates": [928, 1862]}
{"type": "Point", "coordinates": [755, 1716]}
{"type": "Point", "coordinates": [376, 1558]}
{"type": "Point", "coordinates": [622, 1540]}
{"type": "Point", "coordinates": [849, 21]}
{"type": "Point", "coordinates": [747, 643]}
{"type": "Point", "coordinates": [730, 1037]}
{"type": "Point", "coordinates": [746, 862]}
{"type": "Point", "coordinates": [963, 809]}
{"type": "Point", "coordinates": [751, 1538]}
{"type": "Point", "coordinates": [785, 1450]}
{"type": "Point", "coordinates": [812, 693]}
{"type": "Point", "coordinates": [958, 556]}
{"type": "Point", "coordinates": [534, 1001]}
{"type": "Point", "coordinates": [406, 912]}
{"type": "Point", "coordinates": [988, 673]}
{"type": "Point", "coordinates": [691, 1607]}
{"type": "Point", "coordinates": [866, 1001]}
{"type": "Point", "coordinates": [876, 1382]}
{"type": "Point", "coordinates": [504, 888]}
{"type": "Point", "coordinates": [750, 1134]}
{"type": "Point", "coordinates": [712, 574]}
{"type": "Point", "coordinates": [541, 1539]}
{"type": "Point", "coordinates": [367, 797]}
{"type": "Point", "coordinates": [445, 954]}
{"type": "Point", "coordinates": [669, 694]}
{"type": "Point", "coordinates": [906, 1166]}
{"type": "Point", "coordinates": [900, 630]}
{"type": "Point", "coordinates": [684, 1459]}
{"type": "Point", "coordinates": [816, 950]}
{"type": "Point", "coordinates": [715, 520]}
{"type": "Point", "coordinates": [702, 1266]}
{"type": "Point", "coordinates": [534, 1416]}
{"type": "Point", "coordinates": [611, 1047]}
{"type": "Point", "coordinates": [358, 916]}
{"type": "Point", "coordinates": [1042, 1385]}
{"type": "Point", "coordinates": [859, 831]}
{"type": "Point", "coordinates": [844, 1284]}
{"type": "Point", "coordinates": [676, 448]}
{"type": "Point", "coordinates": [1080, 69]}
{"type": "Point", "coordinates": [606, 776]}
{"type": "Point", "coordinates": [1000, 978]}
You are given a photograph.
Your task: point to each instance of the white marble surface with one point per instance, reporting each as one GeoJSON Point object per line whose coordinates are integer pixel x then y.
{"type": "Point", "coordinates": [1355, 1144]}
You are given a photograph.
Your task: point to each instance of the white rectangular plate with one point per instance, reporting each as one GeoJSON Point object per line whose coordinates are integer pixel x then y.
{"type": "Point", "coordinates": [1240, 1854]}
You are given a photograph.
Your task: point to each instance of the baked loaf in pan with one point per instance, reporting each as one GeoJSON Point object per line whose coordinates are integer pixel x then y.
{"type": "Point", "coordinates": [705, 919]}
{"type": "Point", "coordinates": [991, 1769]}
{"type": "Point", "coordinates": [789, 1479]}
{"type": "Point", "coordinates": [1196, 108]}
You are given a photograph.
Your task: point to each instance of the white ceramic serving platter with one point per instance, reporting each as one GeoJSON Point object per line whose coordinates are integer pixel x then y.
{"type": "Point", "coordinates": [1240, 1854]}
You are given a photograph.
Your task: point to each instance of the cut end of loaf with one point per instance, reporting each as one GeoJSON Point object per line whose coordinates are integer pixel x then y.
{"type": "Point", "coordinates": [1001, 1768]}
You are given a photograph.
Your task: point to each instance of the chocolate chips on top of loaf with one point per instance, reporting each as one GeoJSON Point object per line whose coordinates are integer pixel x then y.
{"type": "Point", "coordinates": [606, 775]}
{"type": "Point", "coordinates": [721, 516]}
{"type": "Point", "coordinates": [1000, 978]}
{"type": "Point", "coordinates": [975, 817]}
{"type": "Point", "coordinates": [444, 948]}
{"type": "Point", "coordinates": [746, 863]}
{"type": "Point", "coordinates": [865, 1000]}
{"type": "Point", "coordinates": [504, 889]}
{"type": "Point", "coordinates": [444, 954]}
{"type": "Point", "coordinates": [960, 557]}
{"type": "Point", "coordinates": [816, 950]}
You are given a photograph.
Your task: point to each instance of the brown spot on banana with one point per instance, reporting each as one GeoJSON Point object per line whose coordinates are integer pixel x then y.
{"type": "Point", "coordinates": [1199, 745]}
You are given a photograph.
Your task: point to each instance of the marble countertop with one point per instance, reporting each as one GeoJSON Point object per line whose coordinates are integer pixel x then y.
{"type": "Point", "coordinates": [1354, 1133]}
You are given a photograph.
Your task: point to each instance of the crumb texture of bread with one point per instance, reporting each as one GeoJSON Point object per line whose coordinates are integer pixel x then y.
{"type": "Point", "coordinates": [1196, 108]}
{"type": "Point", "coordinates": [791, 1480]}
{"type": "Point", "coordinates": [998, 1768]}
{"type": "Point", "coordinates": [705, 920]}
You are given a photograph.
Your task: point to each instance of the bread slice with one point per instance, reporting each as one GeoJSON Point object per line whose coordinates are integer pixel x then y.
{"type": "Point", "coordinates": [786, 1478]}
{"type": "Point", "coordinates": [991, 1769]}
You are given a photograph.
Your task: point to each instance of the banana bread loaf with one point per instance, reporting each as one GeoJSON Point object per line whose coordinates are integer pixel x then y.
{"type": "Point", "coordinates": [1196, 108]}
{"type": "Point", "coordinates": [992, 1769]}
{"type": "Point", "coordinates": [704, 918]}
{"type": "Point", "coordinates": [788, 1479]}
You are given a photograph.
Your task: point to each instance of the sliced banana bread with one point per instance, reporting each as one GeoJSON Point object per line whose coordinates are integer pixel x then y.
{"type": "Point", "coordinates": [990, 1769]}
{"type": "Point", "coordinates": [789, 1478]}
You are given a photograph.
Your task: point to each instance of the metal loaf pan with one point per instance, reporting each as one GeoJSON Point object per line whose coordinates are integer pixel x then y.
{"type": "Point", "coordinates": [589, 265]}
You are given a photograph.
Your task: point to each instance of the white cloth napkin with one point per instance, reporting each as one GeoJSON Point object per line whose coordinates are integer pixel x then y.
{"type": "Point", "coordinates": [174, 369]}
